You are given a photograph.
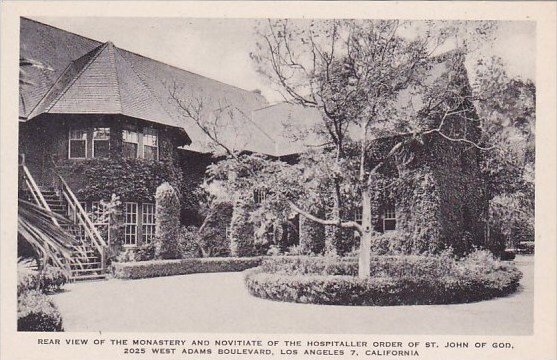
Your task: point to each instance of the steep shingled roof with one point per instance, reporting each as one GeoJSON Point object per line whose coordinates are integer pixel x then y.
{"type": "Point", "coordinates": [81, 75]}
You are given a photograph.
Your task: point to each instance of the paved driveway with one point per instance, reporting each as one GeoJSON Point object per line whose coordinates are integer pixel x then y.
{"type": "Point", "coordinates": [220, 303]}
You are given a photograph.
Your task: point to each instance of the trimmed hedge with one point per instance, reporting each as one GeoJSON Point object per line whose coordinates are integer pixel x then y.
{"type": "Point", "coordinates": [36, 312]}
{"type": "Point", "coordinates": [400, 280]}
{"type": "Point", "coordinates": [155, 268]}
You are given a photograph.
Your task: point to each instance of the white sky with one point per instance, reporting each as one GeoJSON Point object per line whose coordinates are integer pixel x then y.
{"type": "Point", "coordinates": [219, 48]}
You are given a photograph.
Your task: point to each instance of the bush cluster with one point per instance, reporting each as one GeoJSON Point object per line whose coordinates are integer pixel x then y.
{"type": "Point", "coordinates": [36, 312]}
{"type": "Point", "coordinates": [50, 279]}
{"type": "Point", "coordinates": [156, 268]}
{"type": "Point", "coordinates": [395, 280]}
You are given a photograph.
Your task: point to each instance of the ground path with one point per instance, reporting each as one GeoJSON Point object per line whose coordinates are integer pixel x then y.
{"type": "Point", "coordinates": [220, 303]}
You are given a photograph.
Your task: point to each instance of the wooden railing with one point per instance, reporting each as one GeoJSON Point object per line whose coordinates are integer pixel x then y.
{"type": "Point", "coordinates": [36, 191]}
{"type": "Point", "coordinates": [78, 215]}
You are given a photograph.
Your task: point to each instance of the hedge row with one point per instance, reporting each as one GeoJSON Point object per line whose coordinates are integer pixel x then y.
{"type": "Point", "coordinates": [402, 280]}
{"type": "Point", "coordinates": [155, 268]}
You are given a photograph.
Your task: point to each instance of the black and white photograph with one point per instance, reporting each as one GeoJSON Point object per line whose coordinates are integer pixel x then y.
{"type": "Point", "coordinates": [243, 175]}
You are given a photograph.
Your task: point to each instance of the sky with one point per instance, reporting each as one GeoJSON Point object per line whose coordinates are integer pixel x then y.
{"type": "Point", "coordinates": [220, 48]}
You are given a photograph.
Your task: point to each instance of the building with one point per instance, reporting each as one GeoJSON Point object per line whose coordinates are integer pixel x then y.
{"type": "Point", "coordinates": [92, 112]}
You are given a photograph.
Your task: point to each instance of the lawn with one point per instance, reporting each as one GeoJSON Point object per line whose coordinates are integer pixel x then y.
{"type": "Point", "coordinates": [219, 302]}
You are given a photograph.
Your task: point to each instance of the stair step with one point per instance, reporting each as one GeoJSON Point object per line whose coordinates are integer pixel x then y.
{"type": "Point", "coordinates": [89, 277]}
{"type": "Point", "coordinates": [83, 271]}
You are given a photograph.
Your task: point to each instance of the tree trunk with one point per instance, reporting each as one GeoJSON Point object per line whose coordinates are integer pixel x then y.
{"type": "Point", "coordinates": [364, 260]}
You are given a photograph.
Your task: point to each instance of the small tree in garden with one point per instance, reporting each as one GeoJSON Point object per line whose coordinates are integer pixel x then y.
{"type": "Point", "coordinates": [167, 222]}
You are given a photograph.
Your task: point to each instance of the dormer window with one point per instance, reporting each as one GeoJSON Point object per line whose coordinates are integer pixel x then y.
{"type": "Point", "coordinates": [130, 144]}
{"type": "Point", "coordinates": [101, 142]}
{"type": "Point", "coordinates": [150, 144]}
{"type": "Point", "coordinates": [77, 144]}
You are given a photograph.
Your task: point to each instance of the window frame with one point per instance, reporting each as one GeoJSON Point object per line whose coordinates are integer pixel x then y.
{"type": "Point", "coordinates": [150, 131]}
{"type": "Point", "coordinates": [389, 214]}
{"type": "Point", "coordinates": [85, 131]}
{"type": "Point", "coordinates": [259, 196]}
{"type": "Point", "coordinates": [137, 143]}
{"type": "Point", "coordinates": [94, 129]}
{"type": "Point", "coordinates": [135, 224]}
{"type": "Point", "coordinates": [148, 225]}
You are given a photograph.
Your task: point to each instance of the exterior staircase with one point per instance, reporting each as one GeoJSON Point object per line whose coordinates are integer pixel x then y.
{"type": "Point", "coordinates": [87, 260]}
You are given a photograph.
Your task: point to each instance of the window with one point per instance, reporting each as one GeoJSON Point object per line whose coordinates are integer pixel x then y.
{"type": "Point", "coordinates": [389, 218]}
{"type": "Point", "coordinates": [259, 196]}
{"type": "Point", "coordinates": [148, 222]}
{"type": "Point", "coordinates": [130, 144]}
{"type": "Point", "coordinates": [130, 224]}
{"type": "Point", "coordinates": [77, 144]}
{"type": "Point", "coordinates": [100, 219]}
{"type": "Point", "coordinates": [358, 215]}
{"type": "Point", "coordinates": [101, 142]}
{"type": "Point", "coordinates": [150, 144]}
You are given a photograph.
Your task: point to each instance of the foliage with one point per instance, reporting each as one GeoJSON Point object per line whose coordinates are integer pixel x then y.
{"type": "Point", "coordinates": [395, 280]}
{"type": "Point", "coordinates": [145, 252]}
{"type": "Point", "coordinates": [156, 268]}
{"type": "Point", "coordinates": [212, 239]}
{"type": "Point", "coordinates": [131, 179]}
{"type": "Point", "coordinates": [242, 238]}
{"type": "Point", "coordinates": [508, 112]}
{"type": "Point", "coordinates": [312, 236]}
{"type": "Point", "coordinates": [391, 243]}
{"type": "Point", "coordinates": [188, 242]}
{"type": "Point", "coordinates": [36, 312]}
{"type": "Point", "coordinates": [167, 223]}
{"type": "Point", "coordinates": [49, 242]}
{"type": "Point", "coordinates": [50, 279]}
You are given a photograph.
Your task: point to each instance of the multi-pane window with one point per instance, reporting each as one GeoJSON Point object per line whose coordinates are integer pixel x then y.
{"type": "Point", "coordinates": [259, 196]}
{"type": "Point", "coordinates": [148, 222]}
{"type": "Point", "coordinates": [100, 219]}
{"type": "Point", "coordinates": [77, 144]}
{"type": "Point", "coordinates": [130, 223]}
{"type": "Point", "coordinates": [130, 144]}
{"type": "Point", "coordinates": [150, 144]}
{"type": "Point", "coordinates": [101, 142]}
{"type": "Point", "coordinates": [358, 215]}
{"type": "Point", "coordinates": [389, 217]}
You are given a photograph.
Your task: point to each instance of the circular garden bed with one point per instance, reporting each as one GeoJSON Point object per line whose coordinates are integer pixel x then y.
{"type": "Point", "coordinates": [395, 280]}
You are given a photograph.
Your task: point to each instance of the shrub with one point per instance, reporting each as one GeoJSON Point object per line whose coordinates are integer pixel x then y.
{"type": "Point", "coordinates": [242, 241]}
{"type": "Point", "coordinates": [27, 280]}
{"type": "Point", "coordinates": [395, 280]}
{"type": "Point", "coordinates": [145, 252]}
{"type": "Point", "coordinates": [155, 268]}
{"type": "Point", "coordinates": [312, 235]}
{"type": "Point", "coordinates": [212, 236]}
{"type": "Point", "coordinates": [188, 242]}
{"type": "Point", "coordinates": [167, 222]}
{"type": "Point", "coordinates": [50, 279]}
{"type": "Point", "coordinates": [36, 312]}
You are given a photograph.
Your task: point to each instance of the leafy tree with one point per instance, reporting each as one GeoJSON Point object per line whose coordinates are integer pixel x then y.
{"type": "Point", "coordinates": [508, 111]}
{"type": "Point", "coordinates": [368, 80]}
